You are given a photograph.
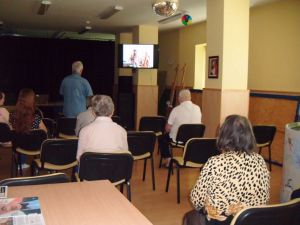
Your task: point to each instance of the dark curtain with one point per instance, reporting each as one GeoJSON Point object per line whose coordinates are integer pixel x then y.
{"type": "Point", "coordinates": [41, 64]}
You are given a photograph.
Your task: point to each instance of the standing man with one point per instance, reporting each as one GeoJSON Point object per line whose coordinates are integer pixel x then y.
{"type": "Point", "coordinates": [185, 113]}
{"type": "Point", "coordinates": [75, 91]}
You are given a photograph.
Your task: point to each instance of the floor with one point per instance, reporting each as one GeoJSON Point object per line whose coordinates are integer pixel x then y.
{"type": "Point", "coordinates": [159, 207]}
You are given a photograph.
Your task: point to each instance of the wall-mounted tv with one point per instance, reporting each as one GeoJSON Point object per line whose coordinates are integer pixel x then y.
{"type": "Point", "coordinates": [138, 56]}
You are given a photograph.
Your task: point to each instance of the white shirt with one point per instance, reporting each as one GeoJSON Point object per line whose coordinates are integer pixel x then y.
{"type": "Point", "coordinates": [104, 136]}
{"type": "Point", "coordinates": [185, 113]}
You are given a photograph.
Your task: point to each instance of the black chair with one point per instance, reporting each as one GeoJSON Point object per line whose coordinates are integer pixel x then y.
{"type": "Point", "coordinates": [295, 194]}
{"type": "Point", "coordinates": [43, 179]}
{"type": "Point", "coordinates": [66, 128]}
{"type": "Point", "coordinates": [116, 167]}
{"type": "Point", "coordinates": [264, 135]}
{"type": "Point", "coordinates": [26, 144]}
{"type": "Point", "coordinates": [5, 133]}
{"type": "Point", "coordinates": [196, 152]}
{"type": "Point", "coordinates": [51, 127]}
{"type": "Point", "coordinates": [56, 155]}
{"type": "Point", "coordinates": [280, 214]}
{"type": "Point", "coordinates": [184, 133]}
{"type": "Point", "coordinates": [141, 145]}
{"type": "Point", "coordinates": [153, 123]}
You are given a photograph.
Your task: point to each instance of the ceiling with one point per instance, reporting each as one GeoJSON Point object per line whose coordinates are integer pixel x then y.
{"type": "Point", "coordinates": [67, 17]}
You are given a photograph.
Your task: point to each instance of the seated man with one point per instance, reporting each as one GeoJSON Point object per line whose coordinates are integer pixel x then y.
{"type": "Point", "coordinates": [102, 135]}
{"type": "Point", "coordinates": [185, 113]}
{"type": "Point", "coordinates": [85, 117]}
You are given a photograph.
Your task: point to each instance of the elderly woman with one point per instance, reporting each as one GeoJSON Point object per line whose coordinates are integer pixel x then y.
{"type": "Point", "coordinates": [102, 135]}
{"type": "Point", "coordinates": [232, 180]}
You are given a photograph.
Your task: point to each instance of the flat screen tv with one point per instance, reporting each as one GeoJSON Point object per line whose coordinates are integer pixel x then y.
{"type": "Point", "coordinates": [140, 56]}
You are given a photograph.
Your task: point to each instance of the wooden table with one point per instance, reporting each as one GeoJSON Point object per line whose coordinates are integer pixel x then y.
{"type": "Point", "coordinates": [82, 203]}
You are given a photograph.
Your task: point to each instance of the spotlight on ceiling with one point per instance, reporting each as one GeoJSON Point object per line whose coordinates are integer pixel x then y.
{"type": "Point", "coordinates": [110, 11]}
{"type": "Point", "coordinates": [165, 7]}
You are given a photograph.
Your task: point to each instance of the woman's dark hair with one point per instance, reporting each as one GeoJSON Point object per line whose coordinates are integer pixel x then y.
{"type": "Point", "coordinates": [236, 135]}
{"type": "Point", "coordinates": [25, 110]}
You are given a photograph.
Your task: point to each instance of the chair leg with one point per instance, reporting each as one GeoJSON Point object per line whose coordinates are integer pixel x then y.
{"type": "Point", "coordinates": [144, 172]}
{"type": "Point", "coordinates": [178, 184]}
{"type": "Point", "coordinates": [169, 174]}
{"type": "Point", "coordinates": [152, 170]}
{"type": "Point", "coordinates": [20, 165]}
{"type": "Point", "coordinates": [14, 165]}
{"type": "Point", "coordinates": [121, 188]}
{"type": "Point", "coordinates": [160, 162]}
{"type": "Point", "coordinates": [128, 191]}
{"type": "Point", "coordinates": [259, 150]}
{"type": "Point", "coordinates": [270, 159]}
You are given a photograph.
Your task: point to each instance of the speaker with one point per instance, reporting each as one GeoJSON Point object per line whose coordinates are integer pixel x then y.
{"type": "Point", "coordinates": [126, 110]}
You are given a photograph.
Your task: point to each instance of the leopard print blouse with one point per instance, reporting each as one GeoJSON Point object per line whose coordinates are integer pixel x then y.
{"type": "Point", "coordinates": [230, 182]}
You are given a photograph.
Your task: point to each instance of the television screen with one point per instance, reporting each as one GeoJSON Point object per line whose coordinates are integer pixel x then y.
{"type": "Point", "coordinates": [138, 56]}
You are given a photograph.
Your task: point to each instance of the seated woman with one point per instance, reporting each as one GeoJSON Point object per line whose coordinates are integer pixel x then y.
{"type": "Point", "coordinates": [4, 114]}
{"type": "Point", "coordinates": [232, 180]}
{"type": "Point", "coordinates": [25, 117]}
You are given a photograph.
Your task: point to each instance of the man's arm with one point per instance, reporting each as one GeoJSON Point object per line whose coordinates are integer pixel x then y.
{"type": "Point", "coordinates": [168, 128]}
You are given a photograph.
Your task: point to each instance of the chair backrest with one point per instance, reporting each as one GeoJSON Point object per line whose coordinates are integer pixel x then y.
{"type": "Point", "coordinates": [199, 150]}
{"type": "Point", "coordinates": [43, 179]}
{"type": "Point", "coordinates": [280, 214]}
{"type": "Point", "coordinates": [188, 131]}
{"type": "Point", "coordinates": [295, 194]}
{"type": "Point", "coordinates": [30, 141]}
{"type": "Point", "coordinates": [100, 166]}
{"type": "Point", "coordinates": [66, 125]}
{"type": "Point", "coordinates": [59, 151]}
{"type": "Point", "coordinates": [264, 133]}
{"type": "Point", "coordinates": [5, 133]}
{"type": "Point", "coordinates": [141, 142]}
{"type": "Point", "coordinates": [51, 126]}
{"type": "Point", "coordinates": [152, 123]}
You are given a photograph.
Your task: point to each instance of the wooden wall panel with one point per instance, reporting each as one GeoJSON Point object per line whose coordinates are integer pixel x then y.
{"type": "Point", "coordinates": [277, 111]}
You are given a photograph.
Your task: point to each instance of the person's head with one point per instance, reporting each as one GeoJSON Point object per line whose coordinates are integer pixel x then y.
{"type": "Point", "coordinates": [236, 135]}
{"type": "Point", "coordinates": [77, 67]}
{"type": "Point", "coordinates": [25, 110]}
{"type": "Point", "coordinates": [2, 98]}
{"type": "Point", "coordinates": [103, 105]}
{"type": "Point", "coordinates": [184, 95]}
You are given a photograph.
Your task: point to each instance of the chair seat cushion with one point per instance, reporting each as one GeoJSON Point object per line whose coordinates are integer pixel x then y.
{"type": "Point", "coordinates": [262, 145]}
{"type": "Point", "coordinates": [50, 166]}
{"type": "Point", "coordinates": [65, 136]}
{"type": "Point", "coordinates": [138, 157]}
{"type": "Point", "coordinates": [26, 152]}
{"type": "Point", "coordinates": [179, 161]}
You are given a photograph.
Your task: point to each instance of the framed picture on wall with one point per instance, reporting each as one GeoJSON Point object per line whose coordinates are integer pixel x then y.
{"type": "Point", "coordinates": [213, 67]}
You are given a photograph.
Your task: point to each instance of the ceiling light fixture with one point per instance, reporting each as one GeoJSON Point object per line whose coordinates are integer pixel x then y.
{"type": "Point", "coordinates": [110, 11]}
{"type": "Point", "coordinates": [165, 7]}
{"type": "Point", "coordinates": [170, 19]}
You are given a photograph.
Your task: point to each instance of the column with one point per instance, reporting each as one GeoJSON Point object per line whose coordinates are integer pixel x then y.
{"type": "Point", "coordinates": [227, 38]}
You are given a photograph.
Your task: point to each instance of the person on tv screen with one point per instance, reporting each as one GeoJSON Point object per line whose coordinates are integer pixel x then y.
{"type": "Point", "coordinates": [133, 58]}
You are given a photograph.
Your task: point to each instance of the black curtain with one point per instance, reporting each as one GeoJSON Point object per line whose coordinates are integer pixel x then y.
{"type": "Point", "coordinates": [41, 64]}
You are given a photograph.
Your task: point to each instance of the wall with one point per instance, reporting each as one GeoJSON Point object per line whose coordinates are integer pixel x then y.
{"type": "Point", "coordinates": [274, 47]}
{"type": "Point", "coordinates": [168, 54]}
{"type": "Point", "coordinates": [274, 51]}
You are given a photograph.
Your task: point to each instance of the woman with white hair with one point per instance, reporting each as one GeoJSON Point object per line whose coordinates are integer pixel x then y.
{"type": "Point", "coordinates": [102, 135]}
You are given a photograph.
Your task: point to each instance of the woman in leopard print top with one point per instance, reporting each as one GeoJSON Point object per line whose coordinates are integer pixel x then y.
{"type": "Point", "coordinates": [234, 179]}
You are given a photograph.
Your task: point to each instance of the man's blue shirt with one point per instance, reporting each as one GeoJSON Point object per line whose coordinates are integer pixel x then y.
{"type": "Point", "coordinates": [75, 89]}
